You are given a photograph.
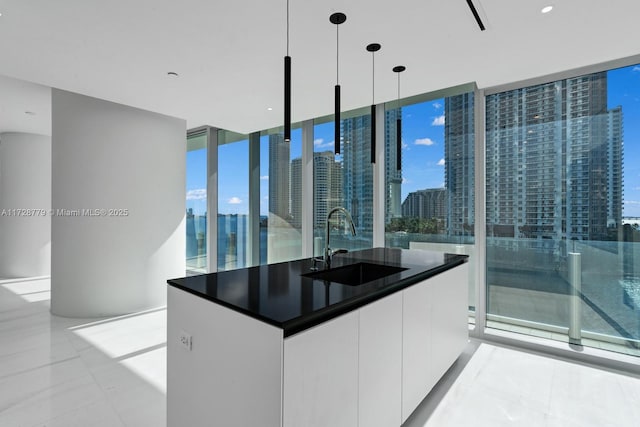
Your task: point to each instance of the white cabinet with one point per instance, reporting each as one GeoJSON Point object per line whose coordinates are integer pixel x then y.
{"type": "Point", "coordinates": [416, 345]}
{"type": "Point", "coordinates": [380, 362]}
{"type": "Point", "coordinates": [435, 331]}
{"type": "Point", "coordinates": [449, 318]}
{"type": "Point", "coordinates": [321, 375]}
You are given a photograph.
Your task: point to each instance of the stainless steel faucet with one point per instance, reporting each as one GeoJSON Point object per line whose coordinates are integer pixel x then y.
{"type": "Point", "coordinates": [328, 253]}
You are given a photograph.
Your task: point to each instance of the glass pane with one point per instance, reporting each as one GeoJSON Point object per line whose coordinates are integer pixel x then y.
{"type": "Point", "coordinates": [197, 204]}
{"type": "Point", "coordinates": [233, 200]}
{"type": "Point", "coordinates": [430, 199]}
{"type": "Point", "coordinates": [344, 180]}
{"type": "Point", "coordinates": [561, 257]}
{"type": "Point", "coordinates": [281, 197]}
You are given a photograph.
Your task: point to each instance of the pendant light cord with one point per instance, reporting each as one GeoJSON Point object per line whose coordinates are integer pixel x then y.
{"type": "Point", "coordinates": [373, 78]}
{"type": "Point", "coordinates": [398, 101]}
{"type": "Point", "coordinates": [337, 53]}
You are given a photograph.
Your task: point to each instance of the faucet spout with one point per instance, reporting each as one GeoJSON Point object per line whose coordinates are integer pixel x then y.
{"type": "Point", "coordinates": [327, 248]}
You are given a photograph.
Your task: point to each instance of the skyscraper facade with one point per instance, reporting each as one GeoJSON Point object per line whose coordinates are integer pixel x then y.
{"type": "Point", "coordinates": [279, 155]}
{"type": "Point", "coordinates": [553, 161]}
{"type": "Point", "coordinates": [428, 204]}
{"type": "Point", "coordinates": [459, 168]}
{"type": "Point", "coordinates": [327, 186]}
{"type": "Point", "coordinates": [296, 192]}
{"type": "Point", "coordinates": [393, 175]}
{"type": "Point", "coordinates": [357, 179]}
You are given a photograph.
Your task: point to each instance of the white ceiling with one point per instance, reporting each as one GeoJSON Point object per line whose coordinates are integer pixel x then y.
{"type": "Point", "coordinates": [229, 53]}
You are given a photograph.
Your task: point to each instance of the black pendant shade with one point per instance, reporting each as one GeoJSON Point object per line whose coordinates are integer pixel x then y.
{"type": "Point", "coordinates": [287, 87]}
{"type": "Point", "coordinates": [287, 98]}
{"type": "Point", "coordinates": [373, 47]}
{"type": "Point", "coordinates": [398, 142]}
{"type": "Point", "coordinates": [398, 69]}
{"type": "Point", "coordinates": [373, 133]}
{"type": "Point", "coordinates": [337, 19]}
{"type": "Point", "coordinates": [336, 134]}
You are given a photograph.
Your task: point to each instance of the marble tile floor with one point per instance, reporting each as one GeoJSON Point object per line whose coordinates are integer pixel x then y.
{"type": "Point", "coordinates": [58, 372]}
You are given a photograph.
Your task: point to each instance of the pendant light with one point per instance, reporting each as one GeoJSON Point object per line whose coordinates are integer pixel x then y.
{"type": "Point", "coordinates": [398, 69]}
{"type": "Point", "coordinates": [337, 19]}
{"type": "Point", "coordinates": [373, 48]}
{"type": "Point", "coordinates": [287, 87]}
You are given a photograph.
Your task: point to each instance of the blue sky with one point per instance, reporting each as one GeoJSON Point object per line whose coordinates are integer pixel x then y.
{"type": "Point", "coordinates": [423, 152]}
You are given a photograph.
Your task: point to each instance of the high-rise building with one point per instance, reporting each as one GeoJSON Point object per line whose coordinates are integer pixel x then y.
{"type": "Point", "coordinates": [428, 204]}
{"type": "Point", "coordinates": [327, 186]}
{"type": "Point", "coordinates": [357, 178]}
{"type": "Point", "coordinates": [554, 161]}
{"type": "Point", "coordinates": [393, 175]}
{"type": "Point", "coordinates": [296, 192]}
{"type": "Point", "coordinates": [279, 154]}
{"type": "Point", "coordinates": [459, 168]}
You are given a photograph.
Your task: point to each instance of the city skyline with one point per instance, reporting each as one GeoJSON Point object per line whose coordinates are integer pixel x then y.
{"type": "Point", "coordinates": [423, 152]}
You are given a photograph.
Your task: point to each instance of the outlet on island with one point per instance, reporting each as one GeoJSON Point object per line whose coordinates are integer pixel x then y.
{"type": "Point", "coordinates": [185, 340]}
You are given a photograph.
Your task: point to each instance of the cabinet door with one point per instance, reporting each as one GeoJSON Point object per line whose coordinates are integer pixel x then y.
{"type": "Point", "coordinates": [321, 375]}
{"type": "Point", "coordinates": [234, 363]}
{"type": "Point", "coordinates": [380, 355]}
{"type": "Point", "coordinates": [449, 318]}
{"type": "Point", "coordinates": [417, 380]}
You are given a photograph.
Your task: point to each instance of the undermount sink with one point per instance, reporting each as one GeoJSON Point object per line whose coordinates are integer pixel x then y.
{"type": "Point", "coordinates": [355, 274]}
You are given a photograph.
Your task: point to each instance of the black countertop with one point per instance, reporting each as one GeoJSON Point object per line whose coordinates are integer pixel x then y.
{"type": "Point", "coordinates": [277, 293]}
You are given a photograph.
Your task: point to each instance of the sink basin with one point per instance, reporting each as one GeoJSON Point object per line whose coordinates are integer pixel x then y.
{"type": "Point", "coordinates": [355, 274]}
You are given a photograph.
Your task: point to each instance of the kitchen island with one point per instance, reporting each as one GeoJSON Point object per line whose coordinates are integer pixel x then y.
{"type": "Point", "coordinates": [281, 345]}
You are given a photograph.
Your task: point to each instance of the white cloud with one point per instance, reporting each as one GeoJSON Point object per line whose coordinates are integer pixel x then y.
{"type": "Point", "coordinates": [405, 180]}
{"type": "Point", "coordinates": [424, 141]}
{"type": "Point", "coordinates": [264, 177]}
{"type": "Point", "coordinates": [234, 201]}
{"type": "Point", "coordinates": [636, 68]}
{"type": "Point", "coordinates": [319, 143]}
{"type": "Point", "coordinates": [405, 146]}
{"type": "Point", "coordinates": [197, 194]}
{"type": "Point", "coordinates": [437, 105]}
{"type": "Point", "coordinates": [440, 162]}
{"type": "Point", "coordinates": [438, 121]}
{"type": "Point", "coordinates": [632, 202]}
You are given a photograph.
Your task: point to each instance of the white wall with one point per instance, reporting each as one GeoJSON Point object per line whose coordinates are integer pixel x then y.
{"type": "Point", "coordinates": [25, 183]}
{"type": "Point", "coordinates": [111, 156]}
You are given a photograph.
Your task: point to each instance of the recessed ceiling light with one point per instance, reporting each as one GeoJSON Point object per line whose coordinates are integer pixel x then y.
{"type": "Point", "coordinates": [30, 113]}
{"type": "Point", "coordinates": [547, 9]}
{"type": "Point", "coordinates": [172, 74]}
{"type": "Point", "coordinates": [269, 109]}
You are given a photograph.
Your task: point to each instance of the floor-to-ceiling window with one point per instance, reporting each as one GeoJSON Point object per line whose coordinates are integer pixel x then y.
{"type": "Point", "coordinates": [430, 184]}
{"type": "Point", "coordinates": [233, 200]}
{"type": "Point", "coordinates": [562, 209]}
{"type": "Point", "coordinates": [345, 180]}
{"type": "Point", "coordinates": [196, 215]}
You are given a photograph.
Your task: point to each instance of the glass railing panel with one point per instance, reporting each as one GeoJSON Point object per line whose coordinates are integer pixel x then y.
{"type": "Point", "coordinates": [561, 198]}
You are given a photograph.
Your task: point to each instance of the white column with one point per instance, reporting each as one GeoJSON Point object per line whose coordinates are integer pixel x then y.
{"type": "Point", "coordinates": [307, 189]}
{"type": "Point", "coordinates": [118, 195]}
{"type": "Point", "coordinates": [480, 261]}
{"type": "Point", "coordinates": [25, 200]}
